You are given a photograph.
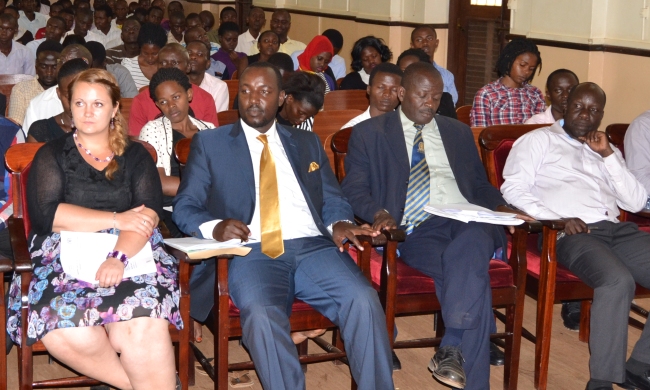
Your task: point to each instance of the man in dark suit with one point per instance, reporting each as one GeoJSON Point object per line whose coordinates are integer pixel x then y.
{"type": "Point", "coordinates": [397, 163]}
{"type": "Point", "coordinates": [260, 180]}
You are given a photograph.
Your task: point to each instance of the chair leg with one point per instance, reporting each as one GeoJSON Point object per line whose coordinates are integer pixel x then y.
{"type": "Point", "coordinates": [513, 324]}
{"type": "Point", "coordinates": [337, 341]}
{"type": "Point", "coordinates": [585, 319]}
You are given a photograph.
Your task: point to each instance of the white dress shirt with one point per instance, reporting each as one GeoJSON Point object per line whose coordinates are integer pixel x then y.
{"type": "Point", "coordinates": [637, 149]}
{"type": "Point", "coordinates": [357, 119]}
{"type": "Point", "coordinates": [295, 217]}
{"type": "Point", "coordinates": [32, 26]}
{"type": "Point", "coordinates": [541, 118]}
{"type": "Point", "coordinates": [110, 40]}
{"type": "Point", "coordinates": [43, 106]}
{"type": "Point", "coordinates": [245, 41]}
{"type": "Point", "coordinates": [19, 61]}
{"type": "Point", "coordinates": [218, 89]}
{"type": "Point", "coordinates": [550, 175]}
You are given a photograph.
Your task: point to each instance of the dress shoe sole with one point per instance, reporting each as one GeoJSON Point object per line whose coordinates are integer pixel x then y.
{"type": "Point", "coordinates": [432, 367]}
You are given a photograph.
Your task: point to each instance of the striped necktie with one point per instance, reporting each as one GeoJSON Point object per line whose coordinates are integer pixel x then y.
{"type": "Point", "coordinates": [417, 194]}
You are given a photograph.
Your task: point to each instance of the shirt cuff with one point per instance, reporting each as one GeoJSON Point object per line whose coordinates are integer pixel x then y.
{"type": "Point", "coordinates": [207, 228]}
{"type": "Point", "coordinates": [330, 228]}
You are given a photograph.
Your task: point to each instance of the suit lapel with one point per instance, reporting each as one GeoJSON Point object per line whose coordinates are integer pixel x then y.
{"type": "Point", "coordinates": [293, 153]}
{"type": "Point", "coordinates": [447, 136]}
{"type": "Point", "coordinates": [241, 157]}
{"type": "Point", "coordinates": [395, 140]}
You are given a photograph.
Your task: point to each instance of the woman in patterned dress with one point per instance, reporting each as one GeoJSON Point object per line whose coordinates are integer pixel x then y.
{"type": "Point", "coordinates": [91, 180]}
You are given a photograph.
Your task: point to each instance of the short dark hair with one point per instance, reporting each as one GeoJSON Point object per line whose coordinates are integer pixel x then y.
{"type": "Point", "coordinates": [177, 15]}
{"type": "Point", "coordinates": [385, 67]}
{"type": "Point", "coordinates": [142, 11]}
{"type": "Point", "coordinates": [58, 18]}
{"type": "Point", "coordinates": [419, 53]}
{"type": "Point", "coordinates": [192, 15]}
{"type": "Point", "coordinates": [205, 45]}
{"type": "Point", "coordinates": [73, 39]}
{"type": "Point", "coordinates": [557, 72]}
{"type": "Point", "coordinates": [155, 7]}
{"type": "Point", "coordinates": [264, 65]}
{"type": "Point", "coordinates": [514, 49]}
{"type": "Point", "coordinates": [8, 18]}
{"type": "Point", "coordinates": [416, 69]}
{"type": "Point", "coordinates": [71, 68]}
{"type": "Point", "coordinates": [83, 12]}
{"type": "Point", "coordinates": [266, 32]}
{"type": "Point", "coordinates": [67, 11]}
{"type": "Point", "coordinates": [228, 26]}
{"type": "Point", "coordinates": [108, 10]}
{"type": "Point", "coordinates": [422, 28]}
{"type": "Point", "coordinates": [282, 61]}
{"type": "Point", "coordinates": [371, 41]}
{"type": "Point", "coordinates": [226, 9]}
{"type": "Point", "coordinates": [175, 2]}
{"type": "Point", "coordinates": [305, 87]}
{"type": "Point", "coordinates": [49, 46]}
{"type": "Point", "coordinates": [335, 37]}
{"type": "Point", "coordinates": [97, 50]}
{"type": "Point", "coordinates": [152, 34]}
{"type": "Point", "coordinates": [168, 74]}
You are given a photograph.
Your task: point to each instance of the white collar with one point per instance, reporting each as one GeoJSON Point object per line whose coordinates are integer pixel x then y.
{"type": "Point", "coordinates": [252, 133]}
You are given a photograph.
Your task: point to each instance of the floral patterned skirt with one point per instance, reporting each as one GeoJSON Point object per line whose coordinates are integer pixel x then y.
{"type": "Point", "coordinates": [56, 300]}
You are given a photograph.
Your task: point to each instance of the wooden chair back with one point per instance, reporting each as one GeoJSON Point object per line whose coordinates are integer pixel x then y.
{"type": "Point", "coordinates": [182, 151]}
{"type": "Point", "coordinates": [346, 100]}
{"type": "Point", "coordinates": [228, 117]}
{"type": "Point", "coordinates": [233, 89]}
{"type": "Point", "coordinates": [616, 135]}
{"type": "Point", "coordinates": [462, 113]}
{"type": "Point", "coordinates": [339, 146]}
{"type": "Point", "coordinates": [326, 123]}
{"type": "Point", "coordinates": [18, 159]}
{"type": "Point", "coordinates": [125, 109]}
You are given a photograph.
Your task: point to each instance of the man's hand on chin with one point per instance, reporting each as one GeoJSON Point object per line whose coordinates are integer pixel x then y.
{"type": "Point", "coordinates": [345, 230]}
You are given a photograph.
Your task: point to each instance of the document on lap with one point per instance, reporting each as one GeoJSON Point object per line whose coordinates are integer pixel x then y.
{"type": "Point", "coordinates": [466, 212]}
{"type": "Point", "coordinates": [83, 253]}
{"type": "Point", "coordinates": [199, 248]}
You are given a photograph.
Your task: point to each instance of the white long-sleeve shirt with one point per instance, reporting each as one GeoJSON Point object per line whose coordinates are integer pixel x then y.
{"type": "Point", "coordinates": [637, 148]}
{"type": "Point", "coordinates": [550, 175]}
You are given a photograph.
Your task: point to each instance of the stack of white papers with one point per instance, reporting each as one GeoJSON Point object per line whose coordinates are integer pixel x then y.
{"type": "Point", "coordinates": [198, 248]}
{"type": "Point", "coordinates": [466, 212]}
{"type": "Point", "coordinates": [83, 253]}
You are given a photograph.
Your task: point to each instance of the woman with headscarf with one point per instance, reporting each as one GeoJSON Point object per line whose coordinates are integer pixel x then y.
{"type": "Point", "coordinates": [314, 59]}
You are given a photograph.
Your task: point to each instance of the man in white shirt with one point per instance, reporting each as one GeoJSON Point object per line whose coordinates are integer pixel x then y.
{"type": "Point", "coordinates": [240, 182]}
{"type": "Point", "coordinates": [558, 86]}
{"type": "Point", "coordinates": [54, 30]}
{"type": "Point", "coordinates": [570, 171]}
{"type": "Point", "coordinates": [110, 35]}
{"type": "Point", "coordinates": [29, 19]}
{"type": "Point", "coordinates": [14, 57]}
{"type": "Point", "coordinates": [637, 149]}
{"type": "Point", "coordinates": [83, 22]}
{"type": "Point", "coordinates": [385, 80]}
{"type": "Point", "coordinates": [280, 24]}
{"type": "Point", "coordinates": [199, 53]}
{"type": "Point", "coordinates": [256, 21]}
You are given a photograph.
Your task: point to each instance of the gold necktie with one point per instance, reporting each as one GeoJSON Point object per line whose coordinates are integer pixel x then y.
{"type": "Point", "coordinates": [272, 244]}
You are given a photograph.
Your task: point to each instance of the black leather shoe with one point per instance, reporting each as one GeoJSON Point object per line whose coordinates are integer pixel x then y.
{"type": "Point", "coordinates": [571, 315]}
{"type": "Point", "coordinates": [497, 357]}
{"type": "Point", "coordinates": [636, 382]}
{"type": "Point", "coordinates": [397, 365]}
{"type": "Point", "coordinates": [447, 366]}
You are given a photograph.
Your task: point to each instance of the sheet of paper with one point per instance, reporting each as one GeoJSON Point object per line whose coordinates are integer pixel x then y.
{"type": "Point", "coordinates": [83, 253]}
{"type": "Point", "coordinates": [466, 212]}
{"type": "Point", "coordinates": [193, 244]}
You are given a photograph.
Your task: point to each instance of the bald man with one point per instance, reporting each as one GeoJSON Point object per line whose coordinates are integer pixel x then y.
{"type": "Point", "coordinates": [608, 255]}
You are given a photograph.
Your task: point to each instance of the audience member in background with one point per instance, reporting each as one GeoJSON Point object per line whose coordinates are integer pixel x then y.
{"type": "Point", "coordinates": [21, 35]}
{"type": "Point", "coordinates": [129, 47]}
{"type": "Point", "coordinates": [283, 62]}
{"type": "Point", "coordinates": [73, 39]}
{"type": "Point", "coordinates": [151, 39]}
{"type": "Point", "coordinates": [155, 15]}
{"type": "Point", "coordinates": [305, 93]}
{"type": "Point", "coordinates": [65, 178]}
{"type": "Point", "coordinates": [29, 19]}
{"type": "Point", "coordinates": [110, 34]}
{"type": "Point", "coordinates": [47, 63]}
{"type": "Point", "coordinates": [227, 59]}
{"type": "Point", "coordinates": [426, 38]}
{"type": "Point", "coordinates": [367, 53]}
{"type": "Point", "coordinates": [177, 26]}
{"type": "Point", "coordinates": [267, 45]}
{"type": "Point", "coordinates": [81, 4]}
{"type": "Point", "coordinates": [68, 16]}
{"type": "Point", "coordinates": [48, 104]}
{"type": "Point", "coordinates": [208, 25]}
{"type": "Point", "coordinates": [173, 7]}
{"type": "Point", "coordinates": [14, 57]}
{"type": "Point", "coordinates": [142, 15]}
{"type": "Point", "coordinates": [143, 109]}
{"type": "Point", "coordinates": [133, 5]}
{"type": "Point", "coordinates": [192, 20]}
{"type": "Point", "coordinates": [45, 130]}
{"type": "Point", "coordinates": [256, 20]}
{"type": "Point", "coordinates": [54, 30]}
{"type": "Point", "coordinates": [228, 14]}
{"type": "Point", "coordinates": [570, 171]}
{"type": "Point", "coordinates": [158, 3]}
{"type": "Point", "coordinates": [171, 90]}
{"type": "Point", "coordinates": [317, 55]}
{"type": "Point", "coordinates": [558, 85]}
{"type": "Point", "coordinates": [83, 21]}
{"type": "Point", "coordinates": [121, 11]}
{"type": "Point", "coordinates": [197, 33]}
{"type": "Point", "coordinates": [410, 56]}
{"type": "Point", "coordinates": [42, 8]}
{"type": "Point", "coordinates": [383, 86]}
{"type": "Point", "coordinates": [336, 68]}
{"type": "Point", "coordinates": [146, 4]}
{"type": "Point", "coordinates": [55, 10]}
{"type": "Point", "coordinates": [637, 150]}
{"type": "Point", "coordinates": [67, 4]}
{"type": "Point", "coordinates": [199, 54]}
{"type": "Point", "coordinates": [121, 74]}
{"type": "Point", "coordinates": [511, 99]}
{"type": "Point", "coordinates": [281, 24]}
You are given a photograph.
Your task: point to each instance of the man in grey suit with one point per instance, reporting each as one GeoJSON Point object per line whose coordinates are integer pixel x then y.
{"type": "Point", "coordinates": [297, 210]}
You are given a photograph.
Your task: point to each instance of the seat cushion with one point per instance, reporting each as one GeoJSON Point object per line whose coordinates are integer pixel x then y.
{"type": "Point", "coordinates": [533, 260]}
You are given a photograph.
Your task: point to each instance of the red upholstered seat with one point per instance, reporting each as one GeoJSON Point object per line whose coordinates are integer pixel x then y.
{"type": "Point", "coordinates": [532, 256]}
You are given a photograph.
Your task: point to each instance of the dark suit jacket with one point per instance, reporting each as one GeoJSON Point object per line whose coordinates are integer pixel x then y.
{"type": "Point", "coordinates": [377, 166]}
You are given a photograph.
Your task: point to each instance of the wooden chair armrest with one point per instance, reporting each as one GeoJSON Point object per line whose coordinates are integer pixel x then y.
{"type": "Point", "coordinates": [641, 213]}
{"type": "Point", "coordinates": [530, 227]}
{"type": "Point", "coordinates": [553, 224]}
{"type": "Point", "coordinates": [22, 259]}
{"type": "Point", "coordinates": [6, 265]}
{"type": "Point", "coordinates": [164, 231]}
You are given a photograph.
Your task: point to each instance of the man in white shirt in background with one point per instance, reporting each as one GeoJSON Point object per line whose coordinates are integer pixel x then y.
{"type": "Point", "coordinates": [256, 21]}
{"type": "Point", "coordinates": [637, 150]}
{"type": "Point", "coordinates": [29, 19]}
{"type": "Point", "coordinates": [570, 171]}
{"type": "Point", "coordinates": [558, 86]}
{"type": "Point", "coordinates": [199, 53]}
{"type": "Point", "coordinates": [83, 22]}
{"type": "Point", "coordinates": [110, 35]}
{"type": "Point", "coordinates": [280, 25]}
{"type": "Point", "coordinates": [54, 30]}
{"type": "Point", "coordinates": [385, 80]}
